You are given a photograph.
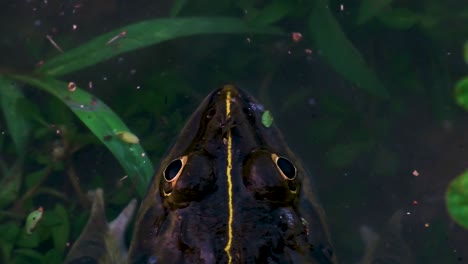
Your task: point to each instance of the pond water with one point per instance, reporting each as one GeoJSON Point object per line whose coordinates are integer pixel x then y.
{"type": "Point", "coordinates": [364, 94]}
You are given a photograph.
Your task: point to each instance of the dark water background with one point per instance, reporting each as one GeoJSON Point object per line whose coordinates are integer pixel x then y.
{"type": "Point", "coordinates": [361, 149]}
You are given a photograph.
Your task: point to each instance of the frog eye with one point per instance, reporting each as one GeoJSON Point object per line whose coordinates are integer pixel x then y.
{"type": "Point", "coordinates": [174, 169]}
{"type": "Point", "coordinates": [285, 166]}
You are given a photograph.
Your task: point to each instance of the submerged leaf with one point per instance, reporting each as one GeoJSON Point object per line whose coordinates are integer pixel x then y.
{"type": "Point", "coordinates": [457, 199]}
{"type": "Point", "coordinates": [370, 8]}
{"type": "Point", "coordinates": [128, 137]}
{"type": "Point", "coordinates": [340, 52]}
{"type": "Point", "coordinates": [461, 93]}
{"type": "Point", "coordinates": [10, 232]}
{"type": "Point", "coordinates": [53, 256]}
{"type": "Point", "coordinates": [28, 255]}
{"type": "Point", "coordinates": [62, 229]}
{"type": "Point", "coordinates": [16, 116]}
{"type": "Point", "coordinates": [267, 119]}
{"type": "Point", "coordinates": [273, 13]}
{"type": "Point", "coordinates": [143, 34]}
{"type": "Point", "coordinates": [28, 240]}
{"type": "Point", "coordinates": [11, 184]}
{"type": "Point", "coordinates": [400, 18]}
{"type": "Point", "coordinates": [104, 124]}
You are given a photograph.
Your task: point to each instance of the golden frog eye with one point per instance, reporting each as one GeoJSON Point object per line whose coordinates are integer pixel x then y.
{"type": "Point", "coordinates": [171, 174]}
{"type": "Point", "coordinates": [285, 166]}
{"type": "Point", "coordinates": [174, 169]}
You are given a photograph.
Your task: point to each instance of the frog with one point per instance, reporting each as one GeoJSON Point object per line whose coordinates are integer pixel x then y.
{"type": "Point", "coordinates": [229, 190]}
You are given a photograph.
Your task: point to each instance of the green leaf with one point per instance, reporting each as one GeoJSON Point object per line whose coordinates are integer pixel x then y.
{"type": "Point", "coordinates": [32, 256]}
{"type": "Point", "coordinates": [143, 34]}
{"type": "Point", "coordinates": [461, 93]}
{"type": "Point", "coordinates": [35, 177]}
{"type": "Point", "coordinates": [15, 115]}
{"type": "Point", "coordinates": [457, 199]}
{"type": "Point", "coordinates": [399, 18]}
{"type": "Point", "coordinates": [267, 119]}
{"type": "Point", "coordinates": [273, 13]}
{"type": "Point", "coordinates": [11, 184]}
{"type": "Point", "coordinates": [53, 256]}
{"type": "Point", "coordinates": [340, 52]}
{"type": "Point", "coordinates": [9, 232]}
{"type": "Point", "coordinates": [370, 8]}
{"type": "Point", "coordinates": [28, 241]}
{"type": "Point", "coordinates": [104, 123]}
{"type": "Point", "coordinates": [61, 231]}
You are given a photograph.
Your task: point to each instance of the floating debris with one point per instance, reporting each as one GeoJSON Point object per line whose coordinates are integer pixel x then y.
{"type": "Point", "coordinates": [116, 37]}
{"type": "Point", "coordinates": [40, 63]}
{"type": "Point", "coordinates": [54, 44]}
{"type": "Point", "coordinates": [128, 137]}
{"type": "Point", "coordinates": [296, 36]}
{"type": "Point", "coordinates": [71, 86]}
{"type": "Point", "coordinates": [124, 177]}
{"type": "Point", "coordinates": [267, 119]}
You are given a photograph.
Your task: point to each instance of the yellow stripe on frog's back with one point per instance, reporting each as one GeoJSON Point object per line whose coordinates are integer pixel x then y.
{"type": "Point", "coordinates": [227, 249]}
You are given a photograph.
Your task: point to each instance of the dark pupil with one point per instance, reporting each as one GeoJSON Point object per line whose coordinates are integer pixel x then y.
{"type": "Point", "coordinates": [286, 167]}
{"type": "Point", "coordinates": [172, 169]}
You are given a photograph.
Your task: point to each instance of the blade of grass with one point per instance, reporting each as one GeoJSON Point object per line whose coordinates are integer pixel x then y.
{"type": "Point", "coordinates": [16, 116]}
{"type": "Point", "coordinates": [339, 51]}
{"type": "Point", "coordinates": [143, 34]}
{"type": "Point", "coordinates": [104, 123]}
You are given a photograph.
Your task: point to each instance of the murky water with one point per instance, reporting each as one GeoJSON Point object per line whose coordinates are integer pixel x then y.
{"type": "Point", "coordinates": [371, 154]}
